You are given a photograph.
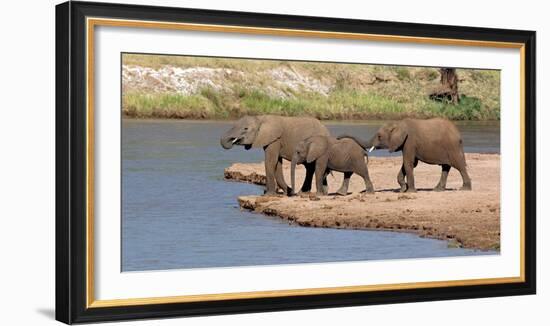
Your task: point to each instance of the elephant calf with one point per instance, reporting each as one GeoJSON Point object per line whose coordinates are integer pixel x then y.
{"type": "Point", "coordinates": [433, 141]}
{"type": "Point", "coordinates": [330, 154]}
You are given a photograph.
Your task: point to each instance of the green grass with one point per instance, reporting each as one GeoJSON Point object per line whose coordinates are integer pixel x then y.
{"type": "Point", "coordinates": [468, 108]}
{"type": "Point", "coordinates": [341, 105]}
{"type": "Point", "coordinates": [403, 73]}
{"type": "Point", "coordinates": [167, 105]}
{"type": "Point", "coordinates": [358, 91]}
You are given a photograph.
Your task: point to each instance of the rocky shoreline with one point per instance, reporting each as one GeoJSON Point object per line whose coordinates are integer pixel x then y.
{"type": "Point", "coordinates": [469, 219]}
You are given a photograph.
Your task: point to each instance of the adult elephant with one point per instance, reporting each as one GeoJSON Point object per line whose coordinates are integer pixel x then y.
{"type": "Point", "coordinates": [433, 141]}
{"type": "Point", "coordinates": [278, 136]}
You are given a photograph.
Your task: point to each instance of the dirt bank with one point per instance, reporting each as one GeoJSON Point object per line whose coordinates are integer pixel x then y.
{"type": "Point", "coordinates": [187, 87]}
{"type": "Point", "coordinates": [469, 219]}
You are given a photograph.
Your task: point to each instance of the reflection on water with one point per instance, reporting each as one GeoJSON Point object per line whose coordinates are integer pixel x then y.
{"type": "Point", "coordinates": [178, 212]}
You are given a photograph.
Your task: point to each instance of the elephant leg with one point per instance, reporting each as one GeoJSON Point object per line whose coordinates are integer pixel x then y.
{"type": "Point", "coordinates": [459, 162]}
{"type": "Point", "coordinates": [280, 178]}
{"type": "Point", "coordinates": [443, 180]}
{"type": "Point", "coordinates": [343, 191]}
{"type": "Point", "coordinates": [271, 160]}
{"type": "Point", "coordinates": [325, 183]}
{"type": "Point", "coordinates": [320, 170]}
{"type": "Point", "coordinates": [409, 167]}
{"type": "Point", "coordinates": [466, 181]}
{"type": "Point", "coordinates": [401, 179]}
{"type": "Point", "coordinates": [310, 169]}
{"type": "Point", "coordinates": [363, 171]}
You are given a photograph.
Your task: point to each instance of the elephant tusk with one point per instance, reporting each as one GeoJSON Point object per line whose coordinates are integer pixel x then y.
{"type": "Point", "coordinates": [370, 149]}
{"type": "Point", "coordinates": [234, 140]}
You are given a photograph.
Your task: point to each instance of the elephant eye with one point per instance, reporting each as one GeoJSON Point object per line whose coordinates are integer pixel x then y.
{"type": "Point", "coordinates": [245, 128]}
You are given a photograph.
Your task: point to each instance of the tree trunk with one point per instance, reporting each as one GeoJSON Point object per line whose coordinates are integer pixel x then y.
{"type": "Point", "coordinates": [449, 80]}
{"type": "Point", "coordinates": [448, 91]}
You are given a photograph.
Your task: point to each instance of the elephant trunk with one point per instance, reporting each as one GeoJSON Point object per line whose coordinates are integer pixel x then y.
{"type": "Point", "coordinates": [227, 141]}
{"type": "Point", "coordinates": [293, 174]}
{"type": "Point", "coordinates": [368, 145]}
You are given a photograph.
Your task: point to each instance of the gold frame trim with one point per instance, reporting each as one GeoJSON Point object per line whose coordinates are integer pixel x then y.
{"type": "Point", "coordinates": [92, 22]}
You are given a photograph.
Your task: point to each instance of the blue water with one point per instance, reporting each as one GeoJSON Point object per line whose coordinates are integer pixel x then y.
{"type": "Point", "coordinates": [179, 212]}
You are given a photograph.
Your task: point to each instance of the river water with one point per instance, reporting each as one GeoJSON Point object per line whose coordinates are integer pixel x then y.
{"type": "Point", "coordinates": [179, 212]}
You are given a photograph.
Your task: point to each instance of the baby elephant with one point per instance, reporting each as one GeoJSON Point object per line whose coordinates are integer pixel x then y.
{"type": "Point", "coordinates": [331, 154]}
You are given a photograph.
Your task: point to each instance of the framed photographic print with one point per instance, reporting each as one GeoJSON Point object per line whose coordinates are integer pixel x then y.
{"type": "Point", "coordinates": [214, 162]}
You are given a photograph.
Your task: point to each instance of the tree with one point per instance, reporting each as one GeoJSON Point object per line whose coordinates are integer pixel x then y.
{"type": "Point", "coordinates": [448, 90]}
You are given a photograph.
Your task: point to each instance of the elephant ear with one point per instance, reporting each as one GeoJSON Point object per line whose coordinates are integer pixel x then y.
{"type": "Point", "coordinates": [317, 147]}
{"type": "Point", "coordinates": [398, 134]}
{"type": "Point", "coordinates": [268, 132]}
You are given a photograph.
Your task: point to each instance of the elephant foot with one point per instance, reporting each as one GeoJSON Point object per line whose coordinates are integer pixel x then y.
{"type": "Point", "coordinates": [270, 193]}
{"type": "Point", "coordinates": [290, 192]}
{"type": "Point", "coordinates": [403, 188]}
{"type": "Point", "coordinates": [369, 188]}
{"type": "Point", "coordinates": [342, 192]}
{"type": "Point", "coordinates": [466, 187]}
{"type": "Point", "coordinates": [410, 190]}
{"type": "Point", "coordinates": [439, 188]}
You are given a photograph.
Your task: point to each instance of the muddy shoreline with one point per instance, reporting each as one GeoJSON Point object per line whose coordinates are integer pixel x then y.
{"type": "Point", "coordinates": [469, 219]}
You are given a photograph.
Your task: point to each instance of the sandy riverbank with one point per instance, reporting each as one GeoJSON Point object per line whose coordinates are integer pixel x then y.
{"type": "Point", "coordinates": [469, 219]}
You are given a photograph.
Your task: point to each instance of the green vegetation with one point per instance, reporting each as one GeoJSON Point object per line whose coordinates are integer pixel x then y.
{"type": "Point", "coordinates": [327, 91]}
{"type": "Point", "coordinates": [167, 105]}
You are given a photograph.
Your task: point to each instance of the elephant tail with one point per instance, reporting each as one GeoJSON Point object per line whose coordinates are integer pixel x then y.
{"type": "Point", "coordinates": [363, 143]}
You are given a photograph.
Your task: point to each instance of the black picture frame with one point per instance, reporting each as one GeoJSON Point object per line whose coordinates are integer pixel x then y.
{"type": "Point", "coordinates": [71, 158]}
